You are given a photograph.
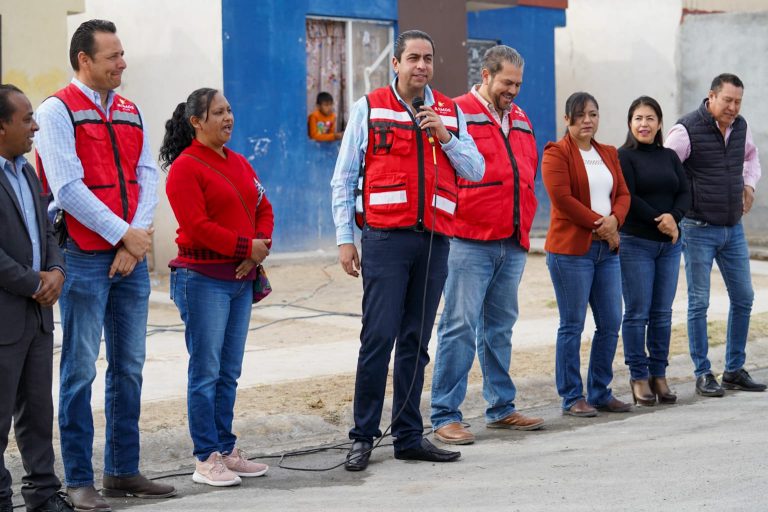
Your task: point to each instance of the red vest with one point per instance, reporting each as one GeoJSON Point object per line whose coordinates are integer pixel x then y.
{"type": "Point", "coordinates": [109, 150]}
{"type": "Point", "coordinates": [397, 185]}
{"type": "Point", "coordinates": [504, 202]}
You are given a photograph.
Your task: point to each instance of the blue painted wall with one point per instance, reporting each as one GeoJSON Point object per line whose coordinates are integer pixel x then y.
{"type": "Point", "coordinates": [531, 31]}
{"type": "Point", "coordinates": [265, 81]}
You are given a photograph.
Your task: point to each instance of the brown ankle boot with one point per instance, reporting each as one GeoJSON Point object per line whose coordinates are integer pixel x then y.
{"type": "Point", "coordinates": [641, 392]}
{"type": "Point", "coordinates": [661, 389]}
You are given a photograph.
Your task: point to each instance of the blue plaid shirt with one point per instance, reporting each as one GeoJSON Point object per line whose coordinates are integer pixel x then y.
{"type": "Point", "coordinates": [55, 143]}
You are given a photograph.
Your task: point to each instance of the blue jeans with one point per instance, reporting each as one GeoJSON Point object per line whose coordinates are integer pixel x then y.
{"type": "Point", "coordinates": [703, 243]}
{"type": "Point", "coordinates": [216, 314]}
{"type": "Point", "coordinates": [649, 272]}
{"type": "Point", "coordinates": [91, 302]}
{"type": "Point", "coordinates": [479, 312]}
{"type": "Point", "coordinates": [394, 265]}
{"type": "Point", "coordinates": [594, 279]}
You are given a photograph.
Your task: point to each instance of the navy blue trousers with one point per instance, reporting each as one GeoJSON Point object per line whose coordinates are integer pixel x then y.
{"type": "Point", "coordinates": [394, 268]}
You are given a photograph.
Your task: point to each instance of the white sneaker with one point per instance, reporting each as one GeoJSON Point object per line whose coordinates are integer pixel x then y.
{"type": "Point", "coordinates": [238, 463]}
{"type": "Point", "coordinates": [214, 472]}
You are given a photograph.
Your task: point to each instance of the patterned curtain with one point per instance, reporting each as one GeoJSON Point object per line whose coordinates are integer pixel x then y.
{"type": "Point", "coordinates": [326, 64]}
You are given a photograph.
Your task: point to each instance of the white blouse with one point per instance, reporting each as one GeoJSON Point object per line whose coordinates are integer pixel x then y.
{"type": "Point", "coordinates": [600, 181]}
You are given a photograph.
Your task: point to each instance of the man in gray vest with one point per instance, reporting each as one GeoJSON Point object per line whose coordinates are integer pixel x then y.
{"type": "Point", "coordinates": [720, 158]}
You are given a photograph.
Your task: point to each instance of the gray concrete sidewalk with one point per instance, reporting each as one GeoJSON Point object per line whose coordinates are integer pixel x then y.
{"type": "Point", "coordinates": [334, 345]}
{"type": "Point", "coordinates": [537, 471]}
{"type": "Point", "coordinates": [702, 454]}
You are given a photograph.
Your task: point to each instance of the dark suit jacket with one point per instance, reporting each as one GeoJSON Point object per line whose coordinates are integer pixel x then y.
{"type": "Point", "coordinates": [565, 177]}
{"type": "Point", "coordinates": [18, 282]}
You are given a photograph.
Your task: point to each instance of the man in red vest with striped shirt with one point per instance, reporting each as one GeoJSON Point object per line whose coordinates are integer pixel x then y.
{"type": "Point", "coordinates": [95, 156]}
{"type": "Point", "coordinates": [488, 253]}
{"type": "Point", "coordinates": [396, 175]}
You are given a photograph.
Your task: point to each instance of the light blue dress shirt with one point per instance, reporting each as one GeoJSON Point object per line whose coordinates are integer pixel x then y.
{"type": "Point", "coordinates": [15, 174]}
{"type": "Point", "coordinates": [461, 152]}
{"type": "Point", "coordinates": [56, 145]}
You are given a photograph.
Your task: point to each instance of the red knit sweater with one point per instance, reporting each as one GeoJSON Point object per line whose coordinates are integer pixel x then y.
{"type": "Point", "coordinates": [214, 227]}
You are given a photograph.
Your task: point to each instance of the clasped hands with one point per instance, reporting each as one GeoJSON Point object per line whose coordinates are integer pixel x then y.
{"type": "Point", "coordinates": [259, 252]}
{"type": "Point", "coordinates": [607, 229]}
{"type": "Point", "coordinates": [136, 245]}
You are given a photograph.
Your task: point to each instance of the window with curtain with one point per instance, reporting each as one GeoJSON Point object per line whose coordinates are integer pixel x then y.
{"type": "Point", "coordinates": [347, 58]}
{"type": "Point", "coordinates": [326, 63]}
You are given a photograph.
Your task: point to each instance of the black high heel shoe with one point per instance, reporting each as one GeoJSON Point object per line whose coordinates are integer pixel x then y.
{"type": "Point", "coordinates": [660, 388]}
{"type": "Point", "coordinates": [642, 393]}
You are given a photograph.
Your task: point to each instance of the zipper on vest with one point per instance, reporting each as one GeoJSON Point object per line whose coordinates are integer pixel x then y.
{"type": "Point", "coordinates": [120, 174]}
{"type": "Point", "coordinates": [516, 209]}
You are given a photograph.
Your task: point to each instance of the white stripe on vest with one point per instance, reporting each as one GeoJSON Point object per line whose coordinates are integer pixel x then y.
{"type": "Point", "coordinates": [477, 118]}
{"type": "Point", "coordinates": [393, 197]}
{"type": "Point", "coordinates": [390, 115]}
{"type": "Point", "coordinates": [450, 122]}
{"type": "Point", "coordinates": [444, 204]}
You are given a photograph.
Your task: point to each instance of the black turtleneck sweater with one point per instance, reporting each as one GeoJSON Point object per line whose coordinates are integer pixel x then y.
{"type": "Point", "coordinates": [657, 182]}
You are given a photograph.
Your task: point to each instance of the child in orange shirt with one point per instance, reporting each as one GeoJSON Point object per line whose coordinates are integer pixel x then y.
{"type": "Point", "coordinates": [322, 122]}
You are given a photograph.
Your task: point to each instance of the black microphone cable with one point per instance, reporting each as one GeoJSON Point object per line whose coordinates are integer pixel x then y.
{"type": "Point", "coordinates": [417, 103]}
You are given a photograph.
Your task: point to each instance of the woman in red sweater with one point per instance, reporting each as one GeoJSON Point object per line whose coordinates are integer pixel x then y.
{"type": "Point", "coordinates": [589, 202]}
{"type": "Point", "coordinates": [225, 229]}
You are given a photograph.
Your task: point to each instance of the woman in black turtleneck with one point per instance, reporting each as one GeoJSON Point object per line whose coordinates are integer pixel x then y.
{"type": "Point", "coordinates": [650, 250]}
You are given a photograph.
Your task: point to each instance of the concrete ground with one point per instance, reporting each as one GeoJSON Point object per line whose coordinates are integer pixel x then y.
{"type": "Point", "coordinates": [700, 454]}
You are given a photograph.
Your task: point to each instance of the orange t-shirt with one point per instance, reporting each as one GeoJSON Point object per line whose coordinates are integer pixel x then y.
{"type": "Point", "coordinates": [321, 127]}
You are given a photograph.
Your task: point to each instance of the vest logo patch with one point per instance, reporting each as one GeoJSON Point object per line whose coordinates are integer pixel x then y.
{"type": "Point", "coordinates": [124, 106]}
{"type": "Point", "coordinates": [440, 108]}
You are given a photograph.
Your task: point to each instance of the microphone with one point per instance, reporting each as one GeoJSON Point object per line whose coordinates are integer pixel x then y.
{"type": "Point", "coordinates": [417, 103]}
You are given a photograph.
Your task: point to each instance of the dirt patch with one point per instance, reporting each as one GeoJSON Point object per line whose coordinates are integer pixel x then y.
{"type": "Point", "coordinates": [330, 397]}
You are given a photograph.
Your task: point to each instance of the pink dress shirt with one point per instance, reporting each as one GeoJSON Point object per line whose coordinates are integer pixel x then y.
{"type": "Point", "coordinates": [679, 141]}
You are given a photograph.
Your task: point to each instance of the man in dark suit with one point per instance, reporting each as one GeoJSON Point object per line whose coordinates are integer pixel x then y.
{"type": "Point", "coordinates": [31, 278]}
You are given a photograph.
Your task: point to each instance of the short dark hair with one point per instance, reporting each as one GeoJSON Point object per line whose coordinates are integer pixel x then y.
{"type": "Point", "coordinates": [406, 36]}
{"type": "Point", "coordinates": [725, 78]}
{"type": "Point", "coordinates": [6, 109]}
{"type": "Point", "coordinates": [324, 97]}
{"type": "Point", "coordinates": [495, 57]}
{"type": "Point", "coordinates": [632, 142]}
{"type": "Point", "coordinates": [577, 102]}
{"type": "Point", "coordinates": [83, 40]}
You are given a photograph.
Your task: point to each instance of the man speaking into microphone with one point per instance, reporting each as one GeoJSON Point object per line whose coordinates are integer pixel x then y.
{"type": "Point", "coordinates": [396, 177]}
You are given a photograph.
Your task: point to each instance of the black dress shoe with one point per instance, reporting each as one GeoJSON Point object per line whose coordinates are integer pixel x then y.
{"type": "Point", "coordinates": [56, 503]}
{"type": "Point", "coordinates": [706, 385]}
{"type": "Point", "coordinates": [740, 379]}
{"type": "Point", "coordinates": [427, 451]}
{"type": "Point", "coordinates": [357, 458]}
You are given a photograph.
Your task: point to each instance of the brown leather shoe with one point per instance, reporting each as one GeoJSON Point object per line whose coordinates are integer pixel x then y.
{"type": "Point", "coordinates": [86, 499]}
{"type": "Point", "coordinates": [137, 486]}
{"type": "Point", "coordinates": [580, 408]}
{"type": "Point", "coordinates": [660, 387]}
{"type": "Point", "coordinates": [517, 421]}
{"type": "Point", "coordinates": [641, 392]}
{"type": "Point", "coordinates": [614, 405]}
{"type": "Point", "coordinates": [454, 433]}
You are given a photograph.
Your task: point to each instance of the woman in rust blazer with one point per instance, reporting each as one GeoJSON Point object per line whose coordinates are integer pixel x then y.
{"type": "Point", "coordinates": [589, 203]}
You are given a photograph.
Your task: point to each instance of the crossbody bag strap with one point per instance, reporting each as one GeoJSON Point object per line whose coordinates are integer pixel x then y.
{"type": "Point", "coordinates": [242, 201]}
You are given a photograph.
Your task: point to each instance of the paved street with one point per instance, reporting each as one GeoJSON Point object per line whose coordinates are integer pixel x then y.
{"type": "Point", "coordinates": [703, 454]}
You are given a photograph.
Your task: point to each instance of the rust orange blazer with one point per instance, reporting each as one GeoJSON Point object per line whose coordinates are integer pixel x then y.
{"type": "Point", "coordinates": [565, 178]}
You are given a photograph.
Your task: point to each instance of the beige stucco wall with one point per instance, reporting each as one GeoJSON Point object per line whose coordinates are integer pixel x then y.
{"type": "Point", "coordinates": [618, 50]}
{"type": "Point", "coordinates": [35, 44]}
